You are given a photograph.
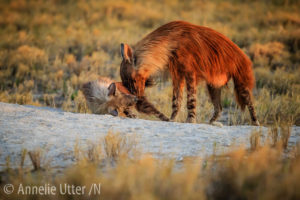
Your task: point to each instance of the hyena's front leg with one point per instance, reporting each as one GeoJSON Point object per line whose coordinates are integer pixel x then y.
{"type": "Point", "coordinates": [178, 86]}
{"type": "Point", "coordinates": [128, 113]}
{"type": "Point", "coordinates": [144, 106]}
{"type": "Point", "coordinates": [191, 97]}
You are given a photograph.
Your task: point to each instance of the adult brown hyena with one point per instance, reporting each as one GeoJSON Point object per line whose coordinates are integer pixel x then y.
{"type": "Point", "coordinates": [190, 53]}
{"type": "Point", "coordinates": [104, 96]}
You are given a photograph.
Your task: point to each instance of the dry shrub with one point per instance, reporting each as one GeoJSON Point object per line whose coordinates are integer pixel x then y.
{"type": "Point", "coordinates": [291, 38]}
{"type": "Point", "coordinates": [259, 175]}
{"type": "Point", "coordinates": [280, 135]}
{"type": "Point", "coordinates": [271, 109]}
{"type": "Point", "coordinates": [35, 157]}
{"type": "Point", "coordinates": [80, 103]}
{"type": "Point", "coordinates": [32, 56]}
{"type": "Point", "coordinates": [117, 146]}
{"type": "Point", "coordinates": [19, 98]}
{"type": "Point", "coordinates": [272, 53]}
{"type": "Point", "coordinates": [255, 140]}
{"type": "Point", "coordinates": [123, 11]}
{"type": "Point", "coordinates": [265, 172]}
{"type": "Point", "coordinates": [280, 81]}
{"type": "Point", "coordinates": [281, 18]}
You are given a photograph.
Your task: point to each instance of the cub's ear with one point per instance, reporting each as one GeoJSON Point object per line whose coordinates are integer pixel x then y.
{"type": "Point", "coordinates": [112, 89]}
{"type": "Point", "coordinates": [126, 52]}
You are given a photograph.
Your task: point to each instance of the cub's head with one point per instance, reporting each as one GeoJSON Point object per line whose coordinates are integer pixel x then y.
{"type": "Point", "coordinates": [103, 96]}
{"type": "Point", "coordinates": [119, 99]}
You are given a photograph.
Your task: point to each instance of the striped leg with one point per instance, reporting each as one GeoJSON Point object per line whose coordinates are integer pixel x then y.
{"type": "Point", "coordinates": [248, 101]}
{"type": "Point", "coordinates": [215, 96]}
{"type": "Point", "coordinates": [252, 113]}
{"type": "Point", "coordinates": [178, 86]}
{"type": "Point", "coordinates": [191, 98]}
{"type": "Point", "coordinates": [127, 111]}
{"type": "Point", "coordinates": [246, 98]}
{"type": "Point", "coordinates": [144, 106]}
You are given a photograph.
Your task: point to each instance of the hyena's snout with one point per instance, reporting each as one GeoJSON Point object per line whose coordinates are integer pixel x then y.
{"type": "Point", "coordinates": [121, 104]}
{"type": "Point", "coordinates": [113, 112]}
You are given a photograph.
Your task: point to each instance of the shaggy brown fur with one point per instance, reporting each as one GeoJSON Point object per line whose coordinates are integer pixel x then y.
{"type": "Point", "coordinates": [191, 54]}
{"type": "Point", "coordinates": [103, 96]}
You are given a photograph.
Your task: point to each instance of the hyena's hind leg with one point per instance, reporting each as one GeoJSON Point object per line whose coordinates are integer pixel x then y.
{"type": "Point", "coordinates": [244, 97]}
{"type": "Point", "coordinates": [178, 85]}
{"type": "Point", "coordinates": [215, 96]}
{"type": "Point", "coordinates": [191, 97]}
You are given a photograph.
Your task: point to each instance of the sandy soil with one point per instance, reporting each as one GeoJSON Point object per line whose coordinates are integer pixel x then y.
{"type": "Point", "coordinates": [57, 133]}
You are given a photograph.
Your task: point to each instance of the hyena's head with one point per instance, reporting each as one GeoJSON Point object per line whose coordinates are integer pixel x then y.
{"type": "Point", "coordinates": [127, 68]}
{"type": "Point", "coordinates": [119, 98]}
{"type": "Point", "coordinates": [128, 71]}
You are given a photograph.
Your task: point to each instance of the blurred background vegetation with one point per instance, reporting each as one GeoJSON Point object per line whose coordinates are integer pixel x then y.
{"type": "Point", "coordinates": [48, 48]}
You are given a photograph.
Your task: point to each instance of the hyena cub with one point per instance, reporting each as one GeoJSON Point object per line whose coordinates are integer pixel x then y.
{"type": "Point", "coordinates": [104, 96]}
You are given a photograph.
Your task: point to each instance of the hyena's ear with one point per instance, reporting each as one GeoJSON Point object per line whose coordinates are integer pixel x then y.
{"type": "Point", "coordinates": [112, 89]}
{"type": "Point", "coordinates": [126, 52]}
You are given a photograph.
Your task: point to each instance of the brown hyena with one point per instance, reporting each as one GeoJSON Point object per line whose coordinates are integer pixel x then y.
{"type": "Point", "coordinates": [190, 53]}
{"type": "Point", "coordinates": [104, 96]}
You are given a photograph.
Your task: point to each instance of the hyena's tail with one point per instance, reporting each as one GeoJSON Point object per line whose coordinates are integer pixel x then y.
{"type": "Point", "coordinates": [243, 79]}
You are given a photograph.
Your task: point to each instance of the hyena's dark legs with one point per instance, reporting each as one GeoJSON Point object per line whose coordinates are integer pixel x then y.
{"type": "Point", "coordinates": [144, 106]}
{"type": "Point", "coordinates": [246, 96]}
{"type": "Point", "coordinates": [191, 97]}
{"type": "Point", "coordinates": [252, 113]}
{"type": "Point", "coordinates": [245, 99]}
{"type": "Point", "coordinates": [178, 85]}
{"type": "Point", "coordinates": [215, 96]}
{"type": "Point", "coordinates": [127, 111]}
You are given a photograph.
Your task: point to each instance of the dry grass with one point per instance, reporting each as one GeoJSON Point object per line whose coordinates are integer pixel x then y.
{"type": "Point", "coordinates": [265, 171]}
{"type": "Point", "coordinates": [49, 48]}
{"type": "Point", "coordinates": [47, 51]}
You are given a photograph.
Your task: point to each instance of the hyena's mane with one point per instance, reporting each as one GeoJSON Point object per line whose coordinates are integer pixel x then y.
{"type": "Point", "coordinates": [201, 50]}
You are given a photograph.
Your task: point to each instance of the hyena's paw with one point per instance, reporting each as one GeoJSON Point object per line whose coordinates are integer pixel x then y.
{"type": "Point", "coordinates": [218, 124]}
{"type": "Point", "coordinates": [166, 119]}
{"type": "Point", "coordinates": [256, 123]}
{"type": "Point", "coordinates": [191, 120]}
{"type": "Point", "coordinates": [131, 116]}
{"type": "Point", "coordinates": [162, 117]}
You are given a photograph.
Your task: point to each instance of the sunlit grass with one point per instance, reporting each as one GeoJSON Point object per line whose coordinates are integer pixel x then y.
{"type": "Point", "coordinates": [47, 52]}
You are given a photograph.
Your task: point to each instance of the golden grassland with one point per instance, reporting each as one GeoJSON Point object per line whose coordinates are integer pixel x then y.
{"type": "Point", "coordinates": [49, 48]}
{"type": "Point", "coordinates": [266, 170]}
